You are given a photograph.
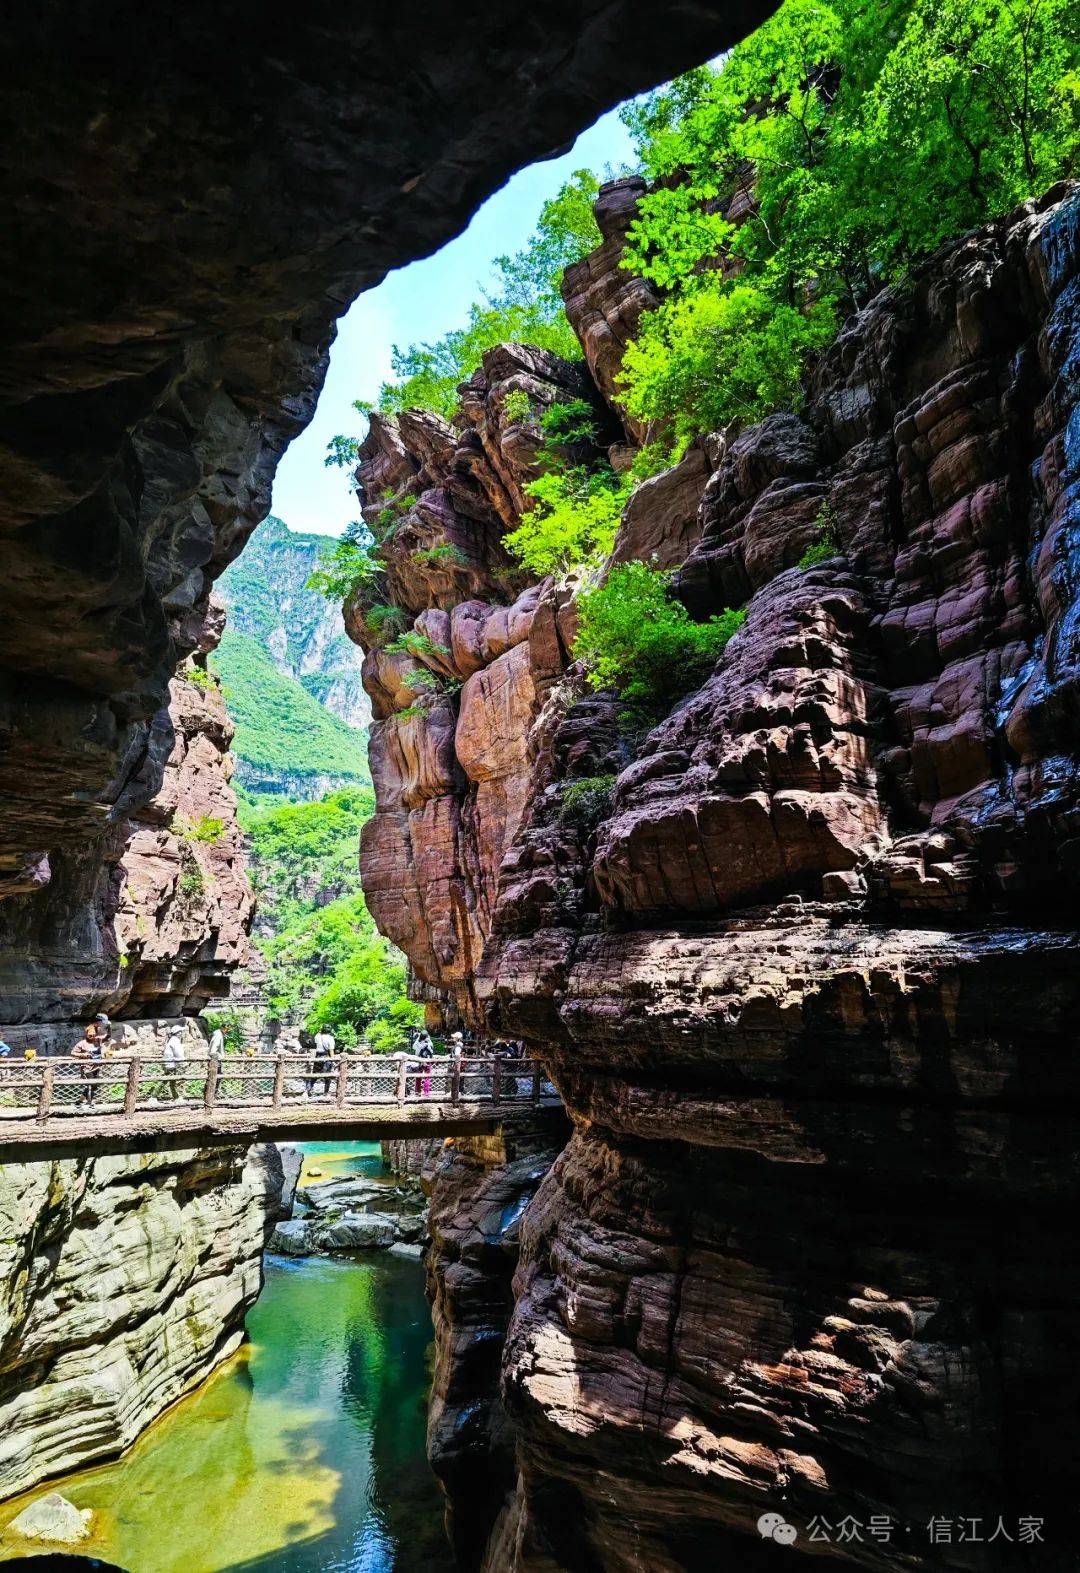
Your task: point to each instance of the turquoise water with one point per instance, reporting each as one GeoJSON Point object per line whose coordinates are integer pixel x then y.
{"type": "Point", "coordinates": [305, 1453]}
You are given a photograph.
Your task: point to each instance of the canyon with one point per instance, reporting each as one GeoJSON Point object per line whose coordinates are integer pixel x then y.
{"type": "Point", "coordinates": [806, 977]}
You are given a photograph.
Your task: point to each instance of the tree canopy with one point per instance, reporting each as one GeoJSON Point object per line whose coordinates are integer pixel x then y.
{"type": "Point", "coordinates": [831, 149]}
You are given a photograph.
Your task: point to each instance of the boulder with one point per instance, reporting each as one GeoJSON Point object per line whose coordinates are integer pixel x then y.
{"type": "Point", "coordinates": [356, 1232]}
{"type": "Point", "coordinates": [294, 1237]}
{"type": "Point", "coordinates": [349, 1194]}
{"type": "Point", "coordinates": [55, 1519]}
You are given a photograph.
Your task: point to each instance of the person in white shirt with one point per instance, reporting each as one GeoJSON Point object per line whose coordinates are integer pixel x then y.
{"type": "Point", "coordinates": [174, 1057]}
{"type": "Point", "coordinates": [325, 1045]}
{"type": "Point", "coordinates": [217, 1043]}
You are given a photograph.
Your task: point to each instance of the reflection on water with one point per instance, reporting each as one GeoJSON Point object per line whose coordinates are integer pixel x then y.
{"type": "Point", "coordinates": [304, 1454]}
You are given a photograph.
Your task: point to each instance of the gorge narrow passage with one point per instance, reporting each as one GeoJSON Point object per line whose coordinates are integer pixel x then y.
{"type": "Point", "coordinates": [303, 1453]}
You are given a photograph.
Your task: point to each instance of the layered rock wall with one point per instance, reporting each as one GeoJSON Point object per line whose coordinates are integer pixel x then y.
{"type": "Point", "coordinates": [123, 1283]}
{"type": "Point", "coordinates": [810, 986]}
{"type": "Point", "coordinates": [479, 1188]}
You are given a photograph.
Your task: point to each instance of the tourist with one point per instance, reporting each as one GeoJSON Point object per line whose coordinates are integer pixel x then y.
{"type": "Point", "coordinates": [173, 1057]}
{"type": "Point", "coordinates": [217, 1044]}
{"type": "Point", "coordinates": [91, 1050]}
{"type": "Point", "coordinates": [424, 1049]}
{"type": "Point", "coordinates": [325, 1045]}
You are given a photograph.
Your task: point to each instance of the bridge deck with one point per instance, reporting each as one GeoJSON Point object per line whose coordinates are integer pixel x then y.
{"type": "Point", "coordinates": [63, 1108]}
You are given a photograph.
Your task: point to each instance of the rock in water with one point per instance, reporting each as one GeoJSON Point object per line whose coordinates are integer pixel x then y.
{"type": "Point", "coordinates": [294, 1237]}
{"type": "Point", "coordinates": [341, 1194]}
{"type": "Point", "coordinates": [357, 1232]}
{"type": "Point", "coordinates": [55, 1519]}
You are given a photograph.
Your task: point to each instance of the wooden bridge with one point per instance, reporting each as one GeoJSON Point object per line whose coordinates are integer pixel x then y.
{"type": "Point", "coordinates": [55, 1108]}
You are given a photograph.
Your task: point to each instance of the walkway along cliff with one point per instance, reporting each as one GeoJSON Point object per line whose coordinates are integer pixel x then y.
{"type": "Point", "coordinates": [810, 988]}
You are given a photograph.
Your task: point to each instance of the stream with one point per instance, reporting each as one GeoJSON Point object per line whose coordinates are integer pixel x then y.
{"type": "Point", "coordinates": [304, 1453]}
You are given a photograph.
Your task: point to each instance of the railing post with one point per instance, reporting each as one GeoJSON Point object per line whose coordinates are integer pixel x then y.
{"type": "Point", "coordinates": [131, 1085]}
{"type": "Point", "coordinates": [213, 1071]}
{"type": "Point", "coordinates": [342, 1080]}
{"type": "Point", "coordinates": [279, 1081]}
{"type": "Point", "coordinates": [496, 1081]}
{"type": "Point", "coordinates": [536, 1081]}
{"type": "Point", "coordinates": [402, 1080]}
{"type": "Point", "coordinates": [45, 1095]}
{"type": "Point", "coordinates": [455, 1082]}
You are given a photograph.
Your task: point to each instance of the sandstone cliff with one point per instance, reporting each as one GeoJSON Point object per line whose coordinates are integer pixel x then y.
{"type": "Point", "coordinates": [123, 1282]}
{"type": "Point", "coordinates": [810, 988]}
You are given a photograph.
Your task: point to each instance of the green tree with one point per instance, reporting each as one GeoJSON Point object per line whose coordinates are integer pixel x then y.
{"type": "Point", "coordinates": [348, 564]}
{"type": "Point", "coordinates": [833, 147]}
{"type": "Point", "coordinates": [635, 637]}
{"type": "Point", "coordinates": [524, 306]}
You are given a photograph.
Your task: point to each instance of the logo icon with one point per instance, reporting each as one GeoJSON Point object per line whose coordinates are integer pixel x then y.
{"type": "Point", "coordinates": [773, 1526]}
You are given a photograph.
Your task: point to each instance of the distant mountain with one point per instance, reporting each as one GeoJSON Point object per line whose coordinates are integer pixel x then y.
{"type": "Point", "coordinates": [287, 742]}
{"type": "Point", "coordinates": [298, 629]}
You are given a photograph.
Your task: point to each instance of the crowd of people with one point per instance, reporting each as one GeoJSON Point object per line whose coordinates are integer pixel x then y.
{"type": "Point", "coordinates": [417, 1065]}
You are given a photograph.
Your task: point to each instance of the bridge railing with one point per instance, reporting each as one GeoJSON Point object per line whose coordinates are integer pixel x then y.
{"type": "Point", "coordinates": [46, 1088]}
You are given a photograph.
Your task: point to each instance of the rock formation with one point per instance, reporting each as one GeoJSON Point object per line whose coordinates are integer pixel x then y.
{"type": "Point", "coordinates": [123, 1283]}
{"type": "Point", "coordinates": [157, 926]}
{"type": "Point", "coordinates": [809, 987]}
{"type": "Point", "coordinates": [480, 1187]}
{"type": "Point", "coordinates": [184, 232]}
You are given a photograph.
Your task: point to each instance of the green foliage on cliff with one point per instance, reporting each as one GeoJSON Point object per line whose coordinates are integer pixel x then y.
{"type": "Point", "coordinates": [345, 565]}
{"type": "Point", "coordinates": [574, 515]}
{"type": "Point", "coordinates": [865, 135]}
{"type": "Point", "coordinates": [575, 504]}
{"type": "Point", "coordinates": [282, 731]}
{"type": "Point", "coordinates": [586, 803]}
{"type": "Point", "coordinates": [635, 637]}
{"type": "Point", "coordinates": [524, 307]}
{"type": "Point", "coordinates": [324, 956]}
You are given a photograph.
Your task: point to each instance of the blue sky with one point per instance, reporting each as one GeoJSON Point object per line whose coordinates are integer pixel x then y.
{"type": "Point", "coordinates": [419, 302]}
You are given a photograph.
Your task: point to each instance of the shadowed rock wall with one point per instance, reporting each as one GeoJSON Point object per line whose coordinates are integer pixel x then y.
{"type": "Point", "coordinates": [154, 920]}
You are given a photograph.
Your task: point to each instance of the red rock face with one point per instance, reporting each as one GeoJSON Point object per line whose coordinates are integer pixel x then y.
{"type": "Point", "coordinates": [810, 985]}
{"type": "Point", "coordinates": [604, 301]}
{"type": "Point", "coordinates": [480, 1188]}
